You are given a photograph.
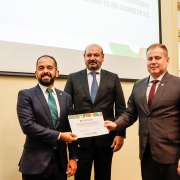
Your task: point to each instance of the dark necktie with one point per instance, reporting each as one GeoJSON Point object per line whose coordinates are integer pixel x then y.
{"type": "Point", "coordinates": [152, 91]}
{"type": "Point", "coordinates": [52, 106]}
{"type": "Point", "coordinates": [94, 87]}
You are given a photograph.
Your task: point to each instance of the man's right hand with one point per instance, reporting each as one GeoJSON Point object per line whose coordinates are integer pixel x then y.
{"type": "Point", "coordinates": [68, 137]}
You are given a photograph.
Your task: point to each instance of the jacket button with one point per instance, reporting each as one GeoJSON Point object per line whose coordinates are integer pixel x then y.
{"type": "Point", "coordinates": [146, 133]}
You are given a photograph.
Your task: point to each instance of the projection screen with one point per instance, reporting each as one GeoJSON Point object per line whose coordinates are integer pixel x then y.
{"type": "Point", "coordinates": [63, 29]}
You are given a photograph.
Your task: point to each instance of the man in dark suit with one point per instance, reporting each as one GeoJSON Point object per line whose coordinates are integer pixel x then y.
{"type": "Point", "coordinates": [97, 149]}
{"type": "Point", "coordinates": [159, 117]}
{"type": "Point", "coordinates": [44, 156]}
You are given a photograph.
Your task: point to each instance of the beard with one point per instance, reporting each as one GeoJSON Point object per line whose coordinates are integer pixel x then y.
{"type": "Point", "coordinates": [93, 67]}
{"type": "Point", "coordinates": [46, 82]}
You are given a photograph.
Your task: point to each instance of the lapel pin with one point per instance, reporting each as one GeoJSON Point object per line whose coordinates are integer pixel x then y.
{"type": "Point", "coordinates": [162, 84]}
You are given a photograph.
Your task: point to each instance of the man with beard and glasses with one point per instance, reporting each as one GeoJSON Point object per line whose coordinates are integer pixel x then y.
{"type": "Point", "coordinates": [107, 99]}
{"type": "Point", "coordinates": [43, 116]}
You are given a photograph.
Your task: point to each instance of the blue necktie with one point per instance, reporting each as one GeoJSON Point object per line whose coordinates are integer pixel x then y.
{"type": "Point", "coordinates": [94, 87]}
{"type": "Point", "coordinates": [52, 106]}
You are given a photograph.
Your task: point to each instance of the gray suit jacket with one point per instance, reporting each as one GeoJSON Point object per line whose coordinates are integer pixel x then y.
{"type": "Point", "coordinates": [109, 100]}
{"type": "Point", "coordinates": [161, 123]}
{"type": "Point", "coordinates": [41, 137]}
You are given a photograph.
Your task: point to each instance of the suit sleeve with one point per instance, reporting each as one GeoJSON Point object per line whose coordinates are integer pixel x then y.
{"type": "Point", "coordinates": [120, 105]}
{"type": "Point", "coordinates": [28, 122]}
{"type": "Point", "coordinates": [129, 116]}
{"type": "Point", "coordinates": [73, 150]}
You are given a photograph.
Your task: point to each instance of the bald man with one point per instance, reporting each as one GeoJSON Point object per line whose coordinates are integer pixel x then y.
{"type": "Point", "coordinates": [99, 149]}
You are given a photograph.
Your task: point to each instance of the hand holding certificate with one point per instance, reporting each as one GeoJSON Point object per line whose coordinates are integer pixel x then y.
{"type": "Point", "coordinates": [87, 125]}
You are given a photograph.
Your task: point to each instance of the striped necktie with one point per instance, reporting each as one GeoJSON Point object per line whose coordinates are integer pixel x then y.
{"type": "Point", "coordinates": [94, 87]}
{"type": "Point", "coordinates": [52, 106]}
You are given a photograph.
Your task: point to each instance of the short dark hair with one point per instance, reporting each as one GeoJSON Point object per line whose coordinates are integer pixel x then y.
{"type": "Point", "coordinates": [55, 62]}
{"type": "Point", "coordinates": [162, 46]}
{"type": "Point", "coordinates": [95, 45]}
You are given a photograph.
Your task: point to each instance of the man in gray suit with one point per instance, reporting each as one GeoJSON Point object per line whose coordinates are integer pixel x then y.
{"type": "Point", "coordinates": [43, 115]}
{"type": "Point", "coordinates": [159, 117]}
{"type": "Point", "coordinates": [109, 100]}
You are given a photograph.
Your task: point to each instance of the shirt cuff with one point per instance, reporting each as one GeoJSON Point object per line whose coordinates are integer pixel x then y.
{"type": "Point", "coordinates": [59, 136]}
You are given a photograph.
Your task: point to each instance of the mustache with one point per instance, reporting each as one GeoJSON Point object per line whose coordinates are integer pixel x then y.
{"type": "Point", "coordinates": [94, 61]}
{"type": "Point", "coordinates": [46, 74]}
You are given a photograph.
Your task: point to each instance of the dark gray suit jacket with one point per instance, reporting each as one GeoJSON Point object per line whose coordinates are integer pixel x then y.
{"type": "Point", "coordinates": [109, 96]}
{"type": "Point", "coordinates": [161, 123]}
{"type": "Point", "coordinates": [41, 138]}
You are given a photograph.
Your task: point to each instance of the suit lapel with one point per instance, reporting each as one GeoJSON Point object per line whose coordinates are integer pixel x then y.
{"type": "Point", "coordinates": [102, 84]}
{"type": "Point", "coordinates": [143, 93]}
{"type": "Point", "coordinates": [160, 90]}
{"type": "Point", "coordinates": [43, 101]}
{"type": "Point", "coordinates": [61, 106]}
{"type": "Point", "coordinates": [84, 82]}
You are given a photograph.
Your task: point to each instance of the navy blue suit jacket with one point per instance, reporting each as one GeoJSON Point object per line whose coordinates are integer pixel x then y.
{"type": "Point", "coordinates": [41, 137]}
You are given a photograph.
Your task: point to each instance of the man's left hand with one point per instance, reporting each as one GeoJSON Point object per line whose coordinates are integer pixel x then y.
{"type": "Point", "coordinates": [117, 143]}
{"type": "Point", "coordinates": [71, 167]}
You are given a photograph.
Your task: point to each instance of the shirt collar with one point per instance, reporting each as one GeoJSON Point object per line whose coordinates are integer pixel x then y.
{"type": "Point", "coordinates": [43, 88]}
{"type": "Point", "coordinates": [159, 78]}
{"type": "Point", "coordinates": [99, 71]}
